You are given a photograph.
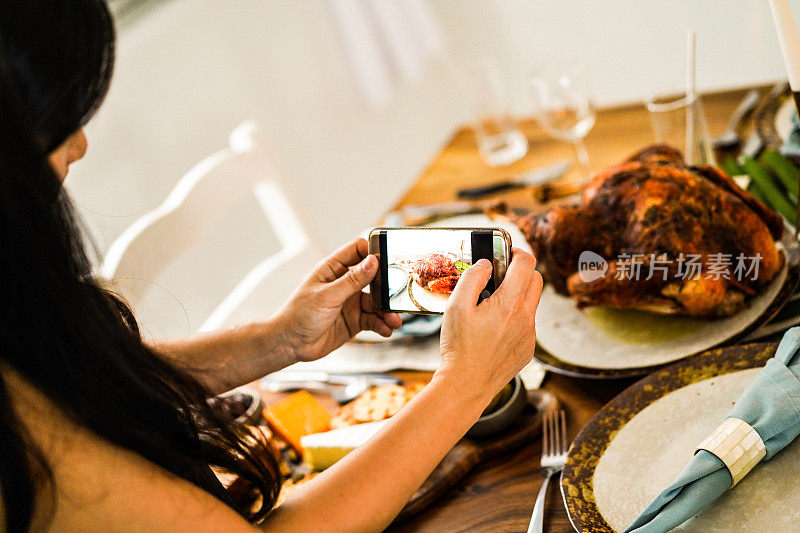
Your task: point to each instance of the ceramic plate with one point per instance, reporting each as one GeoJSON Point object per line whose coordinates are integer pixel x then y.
{"type": "Point", "coordinates": [426, 300]}
{"type": "Point", "coordinates": [398, 278]}
{"type": "Point", "coordinates": [637, 444]}
{"type": "Point", "coordinates": [607, 343]}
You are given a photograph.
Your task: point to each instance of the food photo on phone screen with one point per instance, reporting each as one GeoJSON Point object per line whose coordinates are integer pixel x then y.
{"type": "Point", "coordinates": [424, 267]}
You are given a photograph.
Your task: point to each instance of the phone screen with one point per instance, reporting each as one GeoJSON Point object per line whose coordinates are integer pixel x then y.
{"type": "Point", "coordinates": [423, 266]}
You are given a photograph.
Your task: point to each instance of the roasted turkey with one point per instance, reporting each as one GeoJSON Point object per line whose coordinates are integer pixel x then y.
{"type": "Point", "coordinates": [655, 211]}
{"type": "Point", "coordinates": [436, 273]}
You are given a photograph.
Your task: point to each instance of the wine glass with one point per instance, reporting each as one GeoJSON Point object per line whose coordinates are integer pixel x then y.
{"type": "Point", "coordinates": [562, 105]}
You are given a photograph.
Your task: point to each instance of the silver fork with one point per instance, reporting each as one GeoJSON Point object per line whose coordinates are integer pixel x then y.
{"type": "Point", "coordinates": [554, 456]}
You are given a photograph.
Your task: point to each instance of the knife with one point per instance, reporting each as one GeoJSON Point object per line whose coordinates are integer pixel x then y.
{"type": "Point", "coordinates": [292, 376]}
{"type": "Point", "coordinates": [343, 387]}
{"type": "Point", "coordinates": [529, 179]}
{"type": "Point", "coordinates": [417, 215]}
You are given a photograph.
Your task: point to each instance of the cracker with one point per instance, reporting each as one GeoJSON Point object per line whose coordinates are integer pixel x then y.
{"type": "Point", "coordinates": [376, 404]}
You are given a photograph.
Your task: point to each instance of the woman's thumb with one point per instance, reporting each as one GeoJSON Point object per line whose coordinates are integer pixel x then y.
{"type": "Point", "coordinates": [472, 282]}
{"type": "Point", "coordinates": [355, 279]}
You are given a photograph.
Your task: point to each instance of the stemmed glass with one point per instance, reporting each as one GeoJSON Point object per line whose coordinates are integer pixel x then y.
{"type": "Point", "coordinates": [562, 105]}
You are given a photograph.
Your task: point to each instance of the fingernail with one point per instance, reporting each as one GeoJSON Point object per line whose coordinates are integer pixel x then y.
{"type": "Point", "coordinates": [484, 263]}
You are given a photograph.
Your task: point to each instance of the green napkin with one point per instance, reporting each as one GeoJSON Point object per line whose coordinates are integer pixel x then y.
{"type": "Point", "coordinates": [771, 405]}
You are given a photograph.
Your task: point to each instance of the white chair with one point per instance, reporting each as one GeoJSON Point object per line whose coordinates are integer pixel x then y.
{"type": "Point", "coordinates": [197, 205]}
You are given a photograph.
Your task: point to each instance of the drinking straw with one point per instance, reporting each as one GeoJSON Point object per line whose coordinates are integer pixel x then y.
{"type": "Point", "coordinates": [790, 48]}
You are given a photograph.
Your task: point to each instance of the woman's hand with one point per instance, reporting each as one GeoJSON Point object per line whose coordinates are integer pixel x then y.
{"type": "Point", "coordinates": [484, 346]}
{"type": "Point", "coordinates": [329, 307]}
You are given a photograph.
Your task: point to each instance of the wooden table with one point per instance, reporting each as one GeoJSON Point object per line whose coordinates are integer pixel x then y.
{"type": "Point", "coordinates": [499, 495]}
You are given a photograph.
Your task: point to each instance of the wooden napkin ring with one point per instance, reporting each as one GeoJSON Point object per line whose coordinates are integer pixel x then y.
{"type": "Point", "coordinates": [737, 445]}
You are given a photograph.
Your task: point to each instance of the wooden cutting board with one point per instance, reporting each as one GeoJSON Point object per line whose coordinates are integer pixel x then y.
{"type": "Point", "coordinates": [470, 452]}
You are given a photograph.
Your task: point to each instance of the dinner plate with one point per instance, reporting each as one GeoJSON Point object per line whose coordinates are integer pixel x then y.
{"type": "Point", "coordinates": [637, 444]}
{"type": "Point", "coordinates": [603, 343]}
{"type": "Point", "coordinates": [398, 278]}
{"type": "Point", "coordinates": [426, 300]}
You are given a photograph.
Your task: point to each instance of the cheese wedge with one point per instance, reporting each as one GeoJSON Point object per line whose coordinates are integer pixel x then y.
{"type": "Point", "coordinates": [321, 450]}
{"type": "Point", "coordinates": [296, 415]}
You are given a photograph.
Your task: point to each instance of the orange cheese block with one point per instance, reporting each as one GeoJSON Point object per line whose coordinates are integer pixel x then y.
{"type": "Point", "coordinates": [296, 415]}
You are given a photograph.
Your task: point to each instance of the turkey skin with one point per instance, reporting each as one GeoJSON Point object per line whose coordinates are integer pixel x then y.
{"type": "Point", "coordinates": [672, 239]}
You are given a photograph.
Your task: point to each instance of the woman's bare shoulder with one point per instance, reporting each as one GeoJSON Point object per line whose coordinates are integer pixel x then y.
{"type": "Point", "coordinates": [102, 487]}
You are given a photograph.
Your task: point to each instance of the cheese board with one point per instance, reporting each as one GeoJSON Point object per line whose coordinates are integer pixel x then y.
{"type": "Point", "coordinates": [466, 455]}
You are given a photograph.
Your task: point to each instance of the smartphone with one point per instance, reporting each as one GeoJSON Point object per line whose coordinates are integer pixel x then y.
{"type": "Point", "coordinates": [419, 267]}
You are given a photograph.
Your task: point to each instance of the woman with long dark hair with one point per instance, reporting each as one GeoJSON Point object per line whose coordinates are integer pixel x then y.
{"type": "Point", "coordinates": [102, 431]}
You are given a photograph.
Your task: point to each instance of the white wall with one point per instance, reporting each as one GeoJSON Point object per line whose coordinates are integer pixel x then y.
{"type": "Point", "coordinates": [189, 71]}
{"type": "Point", "coordinates": [628, 47]}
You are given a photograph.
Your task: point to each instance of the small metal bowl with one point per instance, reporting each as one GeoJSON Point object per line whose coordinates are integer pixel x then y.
{"type": "Point", "coordinates": [505, 415]}
{"type": "Point", "coordinates": [234, 401]}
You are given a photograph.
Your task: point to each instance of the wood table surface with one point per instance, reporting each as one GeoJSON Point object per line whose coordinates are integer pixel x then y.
{"type": "Point", "coordinates": [499, 495]}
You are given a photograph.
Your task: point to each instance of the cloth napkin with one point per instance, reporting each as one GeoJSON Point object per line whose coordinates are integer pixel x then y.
{"type": "Point", "coordinates": [771, 405]}
{"type": "Point", "coordinates": [791, 148]}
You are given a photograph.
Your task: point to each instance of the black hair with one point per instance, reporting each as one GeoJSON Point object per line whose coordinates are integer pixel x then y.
{"type": "Point", "coordinates": [60, 329]}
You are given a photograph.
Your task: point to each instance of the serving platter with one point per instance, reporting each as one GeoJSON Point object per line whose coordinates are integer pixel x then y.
{"type": "Point", "coordinates": [636, 445]}
{"type": "Point", "coordinates": [600, 343]}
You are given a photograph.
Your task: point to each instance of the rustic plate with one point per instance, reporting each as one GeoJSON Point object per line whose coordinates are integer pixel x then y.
{"type": "Point", "coordinates": [637, 444]}
{"type": "Point", "coordinates": [608, 344]}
